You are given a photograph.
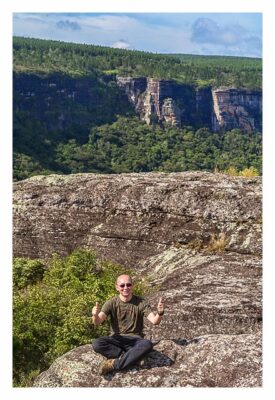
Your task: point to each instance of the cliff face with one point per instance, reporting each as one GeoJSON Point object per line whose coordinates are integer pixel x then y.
{"type": "Point", "coordinates": [234, 108]}
{"type": "Point", "coordinates": [61, 102]}
{"type": "Point", "coordinates": [158, 101]}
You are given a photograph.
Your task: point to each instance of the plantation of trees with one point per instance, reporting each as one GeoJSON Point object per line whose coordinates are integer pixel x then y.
{"type": "Point", "coordinates": [45, 56]}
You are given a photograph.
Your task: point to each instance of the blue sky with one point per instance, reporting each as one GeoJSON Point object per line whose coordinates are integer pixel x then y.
{"type": "Point", "coordinates": [234, 34]}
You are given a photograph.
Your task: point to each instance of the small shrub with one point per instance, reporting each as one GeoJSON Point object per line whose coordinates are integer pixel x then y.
{"type": "Point", "coordinates": [246, 172]}
{"type": "Point", "coordinates": [249, 172]}
{"type": "Point", "coordinates": [232, 171]}
{"type": "Point", "coordinates": [217, 243]}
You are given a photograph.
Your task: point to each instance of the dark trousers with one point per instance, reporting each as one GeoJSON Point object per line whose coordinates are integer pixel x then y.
{"type": "Point", "coordinates": [127, 350]}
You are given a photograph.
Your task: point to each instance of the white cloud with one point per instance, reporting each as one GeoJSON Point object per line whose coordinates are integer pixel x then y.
{"type": "Point", "coordinates": [121, 44]}
{"type": "Point", "coordinates": [140, 34]}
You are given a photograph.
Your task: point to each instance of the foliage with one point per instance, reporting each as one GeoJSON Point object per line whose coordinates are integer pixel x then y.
{"type": "Point", "coordinates": [26, 272]}
{"type": "Point", "coordinates": [246, 172]}
{"type": "Point", "coordinates": [51, 315]}
{"type": "Point", "coordinates": [129, 145]}
{"type": "Point", "coordinates": [217, 243]}
{"type": "Point", "coordinates": [249, 172]}
{"type": "Point", "coordinates": [79, 60]}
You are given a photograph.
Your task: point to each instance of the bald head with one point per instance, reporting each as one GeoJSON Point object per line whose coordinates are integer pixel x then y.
{"type": "Point", "coordinates": [124, 286]}
{"type": "Point", "coordinates": [123, 279]}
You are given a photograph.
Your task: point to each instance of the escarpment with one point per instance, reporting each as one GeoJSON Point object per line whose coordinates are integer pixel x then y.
{"type": "Point", "coordinates": [57, 101]}
{"type": "Point", "coordinates": [166, 101]}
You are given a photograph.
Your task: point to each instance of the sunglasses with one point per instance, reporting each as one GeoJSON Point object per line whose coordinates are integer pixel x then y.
{"type": "Point", "coordinates": [122, 285]}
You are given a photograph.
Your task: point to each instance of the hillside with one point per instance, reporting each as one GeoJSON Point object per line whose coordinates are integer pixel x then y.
{"type": "Point", "coordinates": [71, 114]}
{"type": "Point", "coordinates": [45, 56]}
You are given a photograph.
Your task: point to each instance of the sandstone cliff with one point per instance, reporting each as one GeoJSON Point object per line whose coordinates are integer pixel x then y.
{"type": "Point", "coordinates": [57, 101]}
{"type": "Point", "coordinates": [165, 101]}
{"type": "Point", "coordinates": [196, 238]}
{"type": "Point", "coordinates": [233, 108]}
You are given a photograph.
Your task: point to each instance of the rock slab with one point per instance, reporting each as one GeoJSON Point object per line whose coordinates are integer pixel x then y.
{"type": "Point", "coordinates": [207, 361]}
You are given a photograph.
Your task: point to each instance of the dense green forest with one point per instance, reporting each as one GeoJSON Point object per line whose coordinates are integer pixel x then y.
{"type": "Point", "coordinates": [70, 116]}
{"type": "Point", "coordinates": [45, 56]}
{"type": "Point", "coordinates": [130, 145]}
{"type": "Point", "coordinates": [52, 305]}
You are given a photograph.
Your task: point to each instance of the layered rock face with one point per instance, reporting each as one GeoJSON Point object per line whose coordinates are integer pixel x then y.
{"type": "Point", "coordinates": [165, 101]}
{"type": "Point", "coordinates": [237, 109]}
{"type": "Point", "coordinates": [130, 217]}
{"type": "Point", "coordinates": [194, 237]}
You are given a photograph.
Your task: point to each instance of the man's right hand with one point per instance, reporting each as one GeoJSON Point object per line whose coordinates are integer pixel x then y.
{"type": "Point", "coordinates": [96, 310]}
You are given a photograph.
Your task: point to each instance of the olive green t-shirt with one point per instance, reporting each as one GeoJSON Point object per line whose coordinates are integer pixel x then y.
{"type": "Point", "coordinates": [127, 317]}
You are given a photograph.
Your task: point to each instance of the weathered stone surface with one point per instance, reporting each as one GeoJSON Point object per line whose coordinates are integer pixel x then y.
{"type": "Point", "coordinates": [205, 361]}
{"type": "Point", "coordinates": [205, 293]}
{"type": "Point", "coordinates": [220, 109]}
{"type": "Point", "coordinates": [130, 217]}
{"type": "Point", "coordinates": [235, 108]}
{"type": "Point", "coordinates": [161, 225]}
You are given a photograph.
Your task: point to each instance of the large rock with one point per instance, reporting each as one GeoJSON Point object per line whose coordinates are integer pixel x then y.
{"type": "Point", "coordinates": [206, 361]}
{"type": "Point", "coordinates": [195, 237]}
{"type": "Point", "coordinates": [205, 293]}
{"type": "Point", "coordinates": [130, 217]}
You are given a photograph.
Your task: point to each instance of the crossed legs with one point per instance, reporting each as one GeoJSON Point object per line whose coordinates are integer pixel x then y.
{"type": "Point", "coordinates": [126, 350]}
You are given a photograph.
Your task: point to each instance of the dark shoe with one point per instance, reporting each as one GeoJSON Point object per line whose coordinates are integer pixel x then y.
{"type": "Point", "coordinates": [106, 367]}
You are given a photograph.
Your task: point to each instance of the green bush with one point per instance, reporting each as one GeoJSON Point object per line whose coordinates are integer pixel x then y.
{"type": "Point", "coordinates": [26, 271]}
{"type": "Point", "coordinates": [52, 315]}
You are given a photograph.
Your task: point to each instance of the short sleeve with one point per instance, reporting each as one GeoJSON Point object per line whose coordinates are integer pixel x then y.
{"type": "Point", "coordinates": [147, 309]}
{"type": "Point", "coordinates": [107, 307]}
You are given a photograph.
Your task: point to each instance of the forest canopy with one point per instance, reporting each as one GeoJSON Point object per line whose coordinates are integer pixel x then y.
{"type": "Point", "coordinates": [37, 56]}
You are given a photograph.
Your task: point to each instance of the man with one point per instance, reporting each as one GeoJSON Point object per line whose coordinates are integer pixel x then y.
{"type": "Point", "coordinates": [126, 345]}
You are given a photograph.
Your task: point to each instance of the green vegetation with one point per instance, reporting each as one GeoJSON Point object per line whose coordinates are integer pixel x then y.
{"type": "Point", "coordinates": [46, 56]}
{"type": "Point", "coordinates": [129, 145]}
{"type": "Point", "coordinates": [52, 307]}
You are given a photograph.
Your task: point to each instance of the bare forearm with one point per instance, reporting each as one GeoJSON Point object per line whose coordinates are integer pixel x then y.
{"type": "Point", "coordinates": [96, 320]}
{"type": "Point", "coordinates": [157, 319]}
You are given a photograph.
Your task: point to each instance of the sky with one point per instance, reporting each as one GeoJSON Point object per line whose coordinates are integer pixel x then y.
{"type": "Point", "coordinates": [232, 34]}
